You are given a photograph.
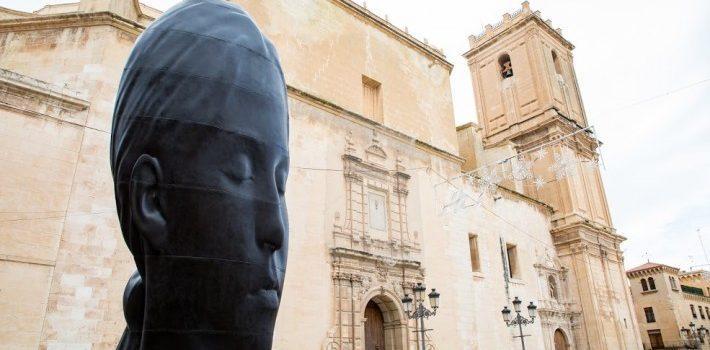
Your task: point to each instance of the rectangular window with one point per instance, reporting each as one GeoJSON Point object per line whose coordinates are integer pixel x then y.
{"type": "Point", "coordinates": [692, 311]}
{"type": "Point", "coordinates": [512, 253]}
{"type": "Point", "coordinates": [650, 317]}
{"type": "Point", "coordinates": [473, 248]}
{"type": "Point", "coordinates": [702, 314]}
{"type": "Point", "coordinates": [372, 99]}
{"type": "Point", "coordinates": [707, 311]}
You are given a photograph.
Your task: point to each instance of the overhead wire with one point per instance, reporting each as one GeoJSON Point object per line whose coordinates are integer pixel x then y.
{"type": "Point", "coordinates": [546, 244]}
{"type": "Point", "coordinates": [655, 97]}
{"type": "Point", "coordinates": [652, 98]}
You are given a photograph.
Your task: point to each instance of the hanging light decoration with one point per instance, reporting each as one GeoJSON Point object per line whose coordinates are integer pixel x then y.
{"type": "Point", "coordinates": [564, 165]}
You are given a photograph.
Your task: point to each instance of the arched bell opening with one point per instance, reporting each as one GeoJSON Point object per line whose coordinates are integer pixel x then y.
{"type": "Point", "coordinates": [505, 66]}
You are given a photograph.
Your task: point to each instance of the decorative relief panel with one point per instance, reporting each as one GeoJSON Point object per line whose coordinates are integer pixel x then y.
{"type": "Point", "coordinates": [375, 204]}
{"type": "Point", "coordinates": [374, 257]}
{"type": "Point", "coordinates": [556, 309]}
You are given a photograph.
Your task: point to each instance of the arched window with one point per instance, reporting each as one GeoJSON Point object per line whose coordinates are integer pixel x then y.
{"type": "Point", "coordinates": [506, 66]}
{"type": "Point", "coordinates": [644, 285]}
{"type": "Point", "coordinates": [674, 286]}
{"type": "Point", "coordinates": [556, 61]}
{"type": "Point", "coordinates": [651, 284]}
{"type": "Point", "coordinates": [552, 285]}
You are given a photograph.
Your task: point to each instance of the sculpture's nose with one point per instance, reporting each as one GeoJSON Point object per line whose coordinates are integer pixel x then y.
{"type": "Point", "coordinates": [271, 227]}
{"type": "Point", "coordinates": [273, 243]}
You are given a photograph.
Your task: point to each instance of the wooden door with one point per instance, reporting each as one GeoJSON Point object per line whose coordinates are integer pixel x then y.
{"type": "Point", "coordinates": [374, 328]}
{"type": "Point", "coordinates": [560, 340]}
{"type": "Point", "coordinates": [656, 339]}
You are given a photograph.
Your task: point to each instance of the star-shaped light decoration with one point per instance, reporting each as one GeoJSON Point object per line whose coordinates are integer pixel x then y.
{"type": "Point", "coordinates": [563, 165]}
{"type": "Point", "coordinates": [489, 180]}
{"type": "Point", "coordinates": [455, 202]}
{"type": "Point", "coordinates": [468, 180]}
{"type": "Point", "coordinates": [522, 169]}
{"type": "Point", "coordinates": [540, 154]}
{"type": "Point", "coordinates": [539, 182]}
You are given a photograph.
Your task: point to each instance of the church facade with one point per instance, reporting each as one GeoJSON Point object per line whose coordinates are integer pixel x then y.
{"type": "Point", "coordinates": [385, 191]}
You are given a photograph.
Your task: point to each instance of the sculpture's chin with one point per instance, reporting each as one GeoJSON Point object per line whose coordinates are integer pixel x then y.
{"type": "Point", "coordinates": [188, 294]}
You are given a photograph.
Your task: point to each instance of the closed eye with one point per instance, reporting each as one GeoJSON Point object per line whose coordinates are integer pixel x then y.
{"type": "Point", "coordinates": [242, 168]}
{"type": "Point", "coordinates": [281, 176]}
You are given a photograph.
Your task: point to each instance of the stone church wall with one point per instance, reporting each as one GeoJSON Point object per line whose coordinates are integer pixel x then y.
{"type": "Point", "coordinates": [327, 46]}
{"type": "Point", "coordinates": [58, 216]}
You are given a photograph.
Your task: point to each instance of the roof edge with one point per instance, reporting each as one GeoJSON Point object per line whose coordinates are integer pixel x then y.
{"type": "Point", "coordinates": [391, 28]}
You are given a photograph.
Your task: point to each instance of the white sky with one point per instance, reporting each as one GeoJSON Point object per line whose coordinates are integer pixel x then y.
{"type": "Point", "coordinates": [656, 152]}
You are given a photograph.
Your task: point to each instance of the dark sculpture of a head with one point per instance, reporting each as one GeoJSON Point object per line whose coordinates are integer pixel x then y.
{"type": "Point", "coordinates": [199, 154]}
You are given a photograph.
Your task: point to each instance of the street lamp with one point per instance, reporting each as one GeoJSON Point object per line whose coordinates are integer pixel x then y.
{"type": "Point", "coordinates": [695, 336]}
{"type": "Point", "coordinates": [419, 311]}
{"type": "Point", "coordinates": [519, 320]}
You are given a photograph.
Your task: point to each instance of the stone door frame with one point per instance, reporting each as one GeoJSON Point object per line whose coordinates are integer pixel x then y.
{"type": "Point", "coordinates": [395, 321]}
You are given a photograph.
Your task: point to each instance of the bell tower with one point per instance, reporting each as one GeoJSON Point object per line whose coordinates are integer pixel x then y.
{"type": "Point", "coordinates": [523, 74]}
{"type": "Point", "coordinates": [527, 95]}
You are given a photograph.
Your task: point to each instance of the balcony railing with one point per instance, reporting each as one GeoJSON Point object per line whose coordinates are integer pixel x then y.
{"type": "Point", "coordinates": [677, 345]}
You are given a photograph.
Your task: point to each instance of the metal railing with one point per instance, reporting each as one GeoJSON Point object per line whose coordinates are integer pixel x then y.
{"type": "Point", "coordinates": [677, 345]}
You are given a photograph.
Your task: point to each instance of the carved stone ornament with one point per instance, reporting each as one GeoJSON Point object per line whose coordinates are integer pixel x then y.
{"type": "Point", "coordinates": [371, 239]}
{"type": "Point", "coordinates": [382, 270]}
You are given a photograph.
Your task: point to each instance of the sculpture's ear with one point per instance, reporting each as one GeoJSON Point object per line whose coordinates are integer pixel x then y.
{"type": "Point", "coordinates": [146, 207]}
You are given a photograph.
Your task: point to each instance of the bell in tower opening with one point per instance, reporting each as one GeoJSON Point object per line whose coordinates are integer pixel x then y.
{"type": "Point", "coordinates": [506, 67]}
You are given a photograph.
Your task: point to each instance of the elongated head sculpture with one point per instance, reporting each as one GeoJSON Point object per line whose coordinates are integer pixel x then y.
{"type": "Point", "coordinates": [199, 154]}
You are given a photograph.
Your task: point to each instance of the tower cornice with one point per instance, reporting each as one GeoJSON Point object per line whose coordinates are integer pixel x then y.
{"type": "Point", "coordinates": [520, 18]}
{"type": "Point", "coordinates": [570, 236]}
{"type": "Point", "coordinates": [542, 128]}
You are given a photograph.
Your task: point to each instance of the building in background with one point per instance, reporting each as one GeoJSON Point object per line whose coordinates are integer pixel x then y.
{"type": "Point", "coordinates": [668, 300]}
{"type": "Point", "coordinates": [374, 196]}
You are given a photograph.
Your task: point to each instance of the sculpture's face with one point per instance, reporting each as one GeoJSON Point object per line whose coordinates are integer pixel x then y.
{"type": "Point", "coordinates": [242, 218]}
{"type": "Point", "coordinates": [254, 221]}
{"type": "Point", "coordinates": [227, 232]}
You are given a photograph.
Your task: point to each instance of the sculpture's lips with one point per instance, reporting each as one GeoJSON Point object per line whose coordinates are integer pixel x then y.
{"type": "Point", "coordinates": [268, 298]}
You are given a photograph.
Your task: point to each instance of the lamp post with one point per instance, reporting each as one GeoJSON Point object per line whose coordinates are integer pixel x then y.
{"type": "Point", "coordinates": [419, 311]}
{"type": "Point", "coordinates": [695, 335]}
{"type": "Point", "coordinates": [519, 320]}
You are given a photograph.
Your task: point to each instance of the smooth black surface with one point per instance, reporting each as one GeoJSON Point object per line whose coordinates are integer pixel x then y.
{"type": "Point", "coordinates": [199, 154]}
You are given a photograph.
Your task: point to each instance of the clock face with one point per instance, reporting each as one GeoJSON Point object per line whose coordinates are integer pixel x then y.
{"type": "Point", "coordinates": [378, 211]}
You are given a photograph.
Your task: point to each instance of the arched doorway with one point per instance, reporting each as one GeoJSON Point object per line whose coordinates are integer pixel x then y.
{"type": "Point", "coordinates": [384, 326]}
{"type": "Point", "coordinates": [561, 340]}
{"type": "Point", "coordinates": [374, 327]}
